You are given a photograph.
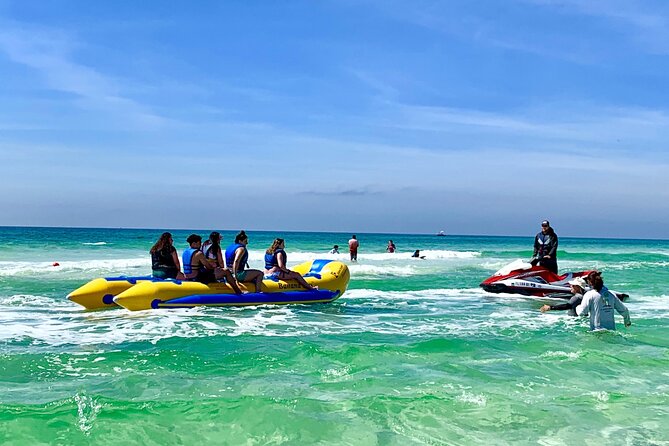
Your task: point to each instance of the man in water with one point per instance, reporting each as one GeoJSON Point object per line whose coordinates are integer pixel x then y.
{"type": "Point", "coordinates": [599, 303]}
{"type": "Point", "coordinates": [578, 286]}
{"type": "Point", "coordinates": [417, 255]}
{"type": "Point", "coordinates": [545, 248]}
{"type": "Point", "coordinates": [335, 249]}
{"type": "Point", "coordinates": [353, 248]}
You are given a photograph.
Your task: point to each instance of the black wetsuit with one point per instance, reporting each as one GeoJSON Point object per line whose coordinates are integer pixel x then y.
{"type": "Point", "coordinates": [162, 263]}
{"type": "Point", "coordinates": [574, 302]}
{"type": "Point", "coordinates": [546, 245]}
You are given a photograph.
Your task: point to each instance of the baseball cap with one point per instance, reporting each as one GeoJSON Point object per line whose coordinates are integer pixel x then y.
{"type": "Point", "coordinates": [578, 281]}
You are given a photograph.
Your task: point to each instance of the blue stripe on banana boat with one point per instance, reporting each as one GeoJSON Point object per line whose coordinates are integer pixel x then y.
{"type": "Point", "coordinates": [330, 276]}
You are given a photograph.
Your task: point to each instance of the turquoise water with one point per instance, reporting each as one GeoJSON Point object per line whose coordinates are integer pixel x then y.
{"type": "Point", "coordinates": [413, 353]}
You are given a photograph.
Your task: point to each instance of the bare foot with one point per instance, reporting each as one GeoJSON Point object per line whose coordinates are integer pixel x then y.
{"type": "Point", "coordinates": [545, 308]}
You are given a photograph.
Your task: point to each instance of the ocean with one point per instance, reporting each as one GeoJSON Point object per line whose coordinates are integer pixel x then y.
{"type": "Point", "coordinates": [413, 353]}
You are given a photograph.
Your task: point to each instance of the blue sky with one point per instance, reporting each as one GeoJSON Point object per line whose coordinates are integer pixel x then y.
{"type": "Point", "coordinates": [365, 116]}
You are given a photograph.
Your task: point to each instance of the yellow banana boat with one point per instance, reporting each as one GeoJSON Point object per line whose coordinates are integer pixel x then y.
{"type": "Point", "coordinates": [330, 276]}
{"type": "Point", "coordinates": [99, 293]}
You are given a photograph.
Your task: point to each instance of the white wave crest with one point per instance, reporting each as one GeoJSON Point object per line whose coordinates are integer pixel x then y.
{"type": "Point", "coordinates": [380, 272]}
{"type": "Point", "coordinates": [472, 398]}
{"type": "Point", "coordinates": [93, 268]}
{"type": "Point", "coordinates": [570, 356]}
{"type": "Point", "coordinates": [94, 243]}
{"type": "Point", "coordinates": [299, 257]}
{"type": "Point", "coordinates": [467, 312]}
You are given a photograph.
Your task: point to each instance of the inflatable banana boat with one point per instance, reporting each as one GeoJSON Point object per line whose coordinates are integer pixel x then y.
{"type": "Point", "coordinates": [143, 293]}
{"type": "Point", "coordinates": [99, 293]}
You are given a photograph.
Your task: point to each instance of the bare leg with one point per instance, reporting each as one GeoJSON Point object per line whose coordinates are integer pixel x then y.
{"type": "Point", "coordinates": [225, 273]}
{"type": "Point", "coordinates": [255, 276]}
{"type": "Point", "coordinates": [287, 275]}
{"type": "Point", "coordinates": [258, 281]}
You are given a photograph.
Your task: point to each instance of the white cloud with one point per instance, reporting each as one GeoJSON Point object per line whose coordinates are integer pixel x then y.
{"type": "Point", "coordinates": [50, 52]}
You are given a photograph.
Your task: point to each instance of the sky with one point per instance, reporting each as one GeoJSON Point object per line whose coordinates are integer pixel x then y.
{"type": "Point", "coordinates": [471, 117]}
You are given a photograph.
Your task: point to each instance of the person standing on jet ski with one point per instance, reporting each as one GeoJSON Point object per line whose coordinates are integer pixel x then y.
{"type": "Point", "coordinates": [545, 248]}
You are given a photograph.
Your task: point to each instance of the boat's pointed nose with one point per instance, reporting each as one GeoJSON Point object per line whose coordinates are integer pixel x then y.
{"type": "Point", "coordinates": [90, 294]}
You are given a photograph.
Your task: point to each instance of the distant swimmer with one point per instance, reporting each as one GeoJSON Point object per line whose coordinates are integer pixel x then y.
{"type": "Point", "coordinates": [353, 245]}
{"type": "Point", "coordinates": [578, 287]}
{"type": "Point", "coordinates": [545, 248]}
{"type": "Point", "coordinates": [599, 303]}
{"type": "Point", "coordinates": [164, 259]}
{"type": "Point", "coordinates": [275, 264]}
{"type": "Point", "coordinates": [417, 255]}
{"type": "Point", "coordinates": [236, 257]}
{"type": "Point", "coordinates": [391, 246]}
{"type": "Point", "coordinates": [335, 249]}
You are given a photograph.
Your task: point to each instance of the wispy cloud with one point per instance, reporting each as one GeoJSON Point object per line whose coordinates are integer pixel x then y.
{"type": "Point", "coordinates": [357, 192]}
{"type": "Point", "coordinates": [645, 22]}
{"type": "Point", "coordinates": [568, 125]}
{"type": "Point", "coordinates": [50, 53]}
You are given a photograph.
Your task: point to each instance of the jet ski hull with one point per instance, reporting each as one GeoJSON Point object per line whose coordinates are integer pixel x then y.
{"type": "Point", "coordinates": [527, 280]}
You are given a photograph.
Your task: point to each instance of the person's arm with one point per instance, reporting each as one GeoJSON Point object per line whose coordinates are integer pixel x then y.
{"type": "Point", "coordinates": [202, 260]}
{"type": "Point", "coordinates": [554, 246]}
{"type": "Point", "coordinates": [560, 307]}
{"type": "Point", "coordinates": [281, 260]}
{"type": "Point", "coordinates": [536, 246]}
{"type": "Point", "coordinates": [175, 257]}
{"type": "Point", "coordinates": [220, 259]}
{"type": "Point", "coordinates": [584, 308]}
{"type": "Point", "coordinates": [621, 309]}
{"type": "Point", "coordinates": [239, 252]}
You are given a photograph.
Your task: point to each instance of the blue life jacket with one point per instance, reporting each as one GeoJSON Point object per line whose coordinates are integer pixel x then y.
{"type": "Point", "coordinates": [230, 256]}
{"type": "Point", "coordinates": [271, 260]}
{"type": "Point", "coordinates": [187, 257]}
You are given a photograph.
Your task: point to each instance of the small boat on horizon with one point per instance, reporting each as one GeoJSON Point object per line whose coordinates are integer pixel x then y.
{"type": "Point", "coordinates": [441, 234]}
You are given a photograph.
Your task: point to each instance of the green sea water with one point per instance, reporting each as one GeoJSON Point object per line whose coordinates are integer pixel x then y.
{"type": "Point", "coordinates": [413, 353]}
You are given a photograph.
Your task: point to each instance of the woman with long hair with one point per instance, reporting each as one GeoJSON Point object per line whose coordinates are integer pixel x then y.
{"type": "Point", "coordinates": [214, 254]}
{"type": "Point", "coordinates": [275, 264]}
{"type": "Point", "coordinates": [164, 259]}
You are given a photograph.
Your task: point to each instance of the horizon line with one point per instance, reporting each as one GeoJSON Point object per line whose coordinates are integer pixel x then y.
{"type": "Point", "coordinates": [326, 232]}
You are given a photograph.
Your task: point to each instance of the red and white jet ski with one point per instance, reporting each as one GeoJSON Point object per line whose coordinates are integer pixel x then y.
{"type": "Point", "coordinates": [520, 277]}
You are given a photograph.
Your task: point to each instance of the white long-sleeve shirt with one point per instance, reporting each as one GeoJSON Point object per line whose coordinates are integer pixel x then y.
{"type": "Point", "coordinates": [600, 305]}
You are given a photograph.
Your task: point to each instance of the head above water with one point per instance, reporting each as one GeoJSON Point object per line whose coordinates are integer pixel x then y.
{"type": "Point", "coordinates": [578, 282]}
{"type": "Point", "coordinates": [595, 280]}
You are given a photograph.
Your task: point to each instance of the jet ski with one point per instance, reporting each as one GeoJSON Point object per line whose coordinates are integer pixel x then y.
{"type": "Point", "coordinates": [520, 277]}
